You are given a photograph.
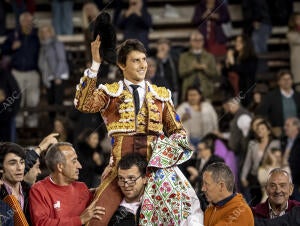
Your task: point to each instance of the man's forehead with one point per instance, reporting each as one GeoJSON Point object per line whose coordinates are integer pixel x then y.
{"type": "Point", "coordinates": [278, 178]}
{"type": "Point", "coordinates": [12, 156]}
{"type": "Point", "coordinates": [134, 170]}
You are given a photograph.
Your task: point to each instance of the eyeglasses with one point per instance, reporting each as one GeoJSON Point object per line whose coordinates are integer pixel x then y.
{"type": "Point", "coordinates": [197, 39]}
{"type": "Point", "coordinates": [130, 181]}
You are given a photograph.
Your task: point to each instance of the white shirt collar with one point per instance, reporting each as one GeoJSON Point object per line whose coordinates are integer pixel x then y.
{"type": "Point", "coordinates": [287, 95]}
{"type": "Point", "coordinates": [142, 84]}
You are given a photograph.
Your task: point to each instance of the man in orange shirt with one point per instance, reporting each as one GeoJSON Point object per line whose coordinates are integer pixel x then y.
{"type": "Point", "coordinates": [226, 207]}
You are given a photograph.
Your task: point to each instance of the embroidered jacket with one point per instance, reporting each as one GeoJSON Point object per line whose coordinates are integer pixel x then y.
{"type": "Point", "coordinates": [116, 105]}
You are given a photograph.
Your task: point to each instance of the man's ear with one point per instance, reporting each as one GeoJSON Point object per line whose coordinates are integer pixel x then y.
{"type": "Point", "coordinates": [60, 167]}
{"type": "Point", "coordinates": [121, 66]}
{"type": "Point", "coordinates": [144, 179]}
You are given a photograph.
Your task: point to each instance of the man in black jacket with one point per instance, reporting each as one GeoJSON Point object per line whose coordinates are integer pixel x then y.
{"type": "Point", "coordinates": [281, 103]}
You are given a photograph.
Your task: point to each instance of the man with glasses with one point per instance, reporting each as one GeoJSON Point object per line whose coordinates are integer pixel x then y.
{"type": "Point", "coordinates": [132, 181]}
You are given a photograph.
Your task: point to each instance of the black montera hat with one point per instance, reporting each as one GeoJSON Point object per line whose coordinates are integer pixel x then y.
{"type": "Point", "coordinates": [104, 28]}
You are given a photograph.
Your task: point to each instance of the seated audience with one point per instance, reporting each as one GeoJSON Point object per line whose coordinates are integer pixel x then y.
{"type": "Point", "coordinates": [131, 180]}
{"type": "Point", "coordinates": [226, 207]}
{"type": "Point", "coordinates": [59, 199]}
{"type": "Point", "coordinates": [279, 188]}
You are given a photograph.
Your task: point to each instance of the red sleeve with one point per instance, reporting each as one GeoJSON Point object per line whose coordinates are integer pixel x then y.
{"type": "Point", "coordinates": [40, 210]}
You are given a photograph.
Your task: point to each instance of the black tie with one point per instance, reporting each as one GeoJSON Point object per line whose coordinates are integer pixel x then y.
{"type": "Point", "coordinates": [136, 98]}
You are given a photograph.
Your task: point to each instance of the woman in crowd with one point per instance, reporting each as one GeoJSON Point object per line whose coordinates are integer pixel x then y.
{"type": "Point", "coordinates": [241, 65]}
{"type": "Point", "coordinates": [263, 142]}
{"type": "Point", "coordinates": [90, 157]}
{"type": "Point", "coordinates": [198, 116]}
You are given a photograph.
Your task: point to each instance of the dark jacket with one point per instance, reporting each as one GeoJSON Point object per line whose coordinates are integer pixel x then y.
{"type": "Point", "coordinates": [272, 107]}
{"type": "Point", "coordinates": [136, 27]}
{"type": "Point", "coordinates": [124, 218]}
{"type": "Point", "coordinates": [291, 218]}
{"type": "Point", "coordinates": [262, 210]}
{"type": "Point", "coordinates": [24, 58]}
{"type": "Point", "coordinates": [294, 160]}
{"type": "Point", "coordinates": [25, 190]}
{"type": "Point", "coordinates": [6, 214]}
{"type": "Point", "coordinates": [90, 170]}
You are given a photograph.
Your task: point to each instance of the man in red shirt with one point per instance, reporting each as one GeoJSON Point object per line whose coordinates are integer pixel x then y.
{"type": "Point", "coordinates": [59, 199]}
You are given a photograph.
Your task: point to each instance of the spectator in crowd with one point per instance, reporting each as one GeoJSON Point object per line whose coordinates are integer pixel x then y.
{"type": "Point", "coordinates": [31, 176]}
{"type": "Point", "coordinates": [279, 187]}
{"type": "Point", "coordinates": [256, 151]}
{"type": "Point", "coordinates": [21, 6]}
{"type": "Point", "coordinates": [59, 198]}
{"type": "Point", "coordinates": [167, 71]}
{"type": "Point", "coordinates": [131, 180]}
{"type": "Point", "coordinates": [272, 160]}
{"type": "Point", "coordinates": [281, 103]}
{"type": "Point", "coordinates": [61, 125]}
{"type": "Point", "coordinates": [62, 16]}
{"type": "Point", "coordinates": [14, 163]}
{"type": "Point", "coordinates": [135, 22]}
{"type": "Point", "coordinates": [10, 100]}
{"type": "Point", "coordinates": [241, 65]}
{"type": "Point", "coordinates": [291, 156]}
{"type": "Point", "coordinates": [257, 23]}
{"type": "Point", "coordinates": [197, 67]}
{"type": "Point", "coordinates": [121, 108]}
{"type": "Point", "coordinates": [226, 206]}
{"type": "Point", "coordinates": [259, 92]}
{"type": "Point", "coordinates": [205, 157]}
{"type": "Point", "coordinates": [53, 66]}
{"type": "Point", "coordinates": [198, 116]}
{"type": "Point", "coordinates": [293, 37]}
{"type": "Point", "coordinates": [151, 74]}
{"type": "Point", "coordinates": [13, 166]}
{"type": "Point", "coordinates": [91, 157]}
{"type": "Point", "coordinates": [209, 16]}
{"type": "Point", "coordinates": [23, 46]}
{"type": "Point", "coordinates": [238, 130]}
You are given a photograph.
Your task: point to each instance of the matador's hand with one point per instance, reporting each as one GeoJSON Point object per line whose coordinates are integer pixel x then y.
{"type": "Point", "coordinates": [95, 46]}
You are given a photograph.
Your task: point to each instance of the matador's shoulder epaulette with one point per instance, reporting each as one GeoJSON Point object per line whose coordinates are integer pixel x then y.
{"type": "Point", "coordinates": [160, 93]}
{"type": "Point", "coordinates": [114, 89]}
